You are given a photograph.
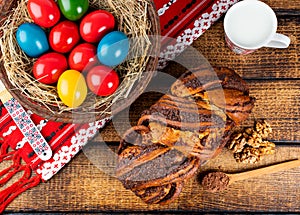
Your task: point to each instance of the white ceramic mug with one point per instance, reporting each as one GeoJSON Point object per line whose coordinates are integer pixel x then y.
{"type": "Point", "coordinates": [250, 25]}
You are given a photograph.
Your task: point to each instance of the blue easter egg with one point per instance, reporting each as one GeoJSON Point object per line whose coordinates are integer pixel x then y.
{"type": "Point", "coordinates": [113, 48]}
{"type": "Point", "coordinates": [32, 39]}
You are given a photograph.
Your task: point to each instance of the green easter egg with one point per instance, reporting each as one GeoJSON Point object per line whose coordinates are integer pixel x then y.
{"type": "Point", "coordinates": [73, 9]}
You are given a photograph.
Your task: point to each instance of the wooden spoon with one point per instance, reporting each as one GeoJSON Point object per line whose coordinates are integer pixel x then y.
{"type": "Point", "coordinates": [218, 181]}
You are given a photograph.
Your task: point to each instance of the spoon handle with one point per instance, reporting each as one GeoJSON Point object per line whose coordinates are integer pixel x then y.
{"type": "Point", "coordinates": [265, 170]}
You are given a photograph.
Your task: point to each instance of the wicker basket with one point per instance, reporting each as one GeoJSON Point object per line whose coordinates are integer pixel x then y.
{"type": "Point", "coordinates": [135, 74]}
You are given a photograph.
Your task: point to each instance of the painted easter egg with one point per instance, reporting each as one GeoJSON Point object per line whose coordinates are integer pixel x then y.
{"type": "Point", "coordinates": [32, 39]}
{"type": "Point", "coordinates": [71, 88]}
{"type": "Point", "coordinates": [48, 68]}
{"type": "Point", "coordinates": [73, 9]}
{"type": "Point", "coordinates": [44, 13]}
{"type": "Point", "coordinates": [96, 25]}
{"type": "Point", "coordinates": [113, 48]}
{"type": "Point", "coordinates": [64, 36]}
{"type": "Point", "coordinates": [82, 56]}
{"type": "Point", "coordinates": [102, 80]}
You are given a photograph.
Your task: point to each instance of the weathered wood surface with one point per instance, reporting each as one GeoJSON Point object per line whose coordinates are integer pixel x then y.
{"type": "Point", "coordinates": [284, 5]}
{"type": "Point", "coordinates": [81, 186]}
{"type": "Point", "coordinates": [274, 79]}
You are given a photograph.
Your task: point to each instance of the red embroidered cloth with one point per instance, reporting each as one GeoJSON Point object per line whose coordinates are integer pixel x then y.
{"type": "Point", "coordinates": [182, 20]}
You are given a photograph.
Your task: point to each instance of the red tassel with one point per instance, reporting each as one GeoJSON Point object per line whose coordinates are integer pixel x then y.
{"type": "Point", "coordinates": [4, 154]}
{"type": "Point", "coordinates": [25, 182]}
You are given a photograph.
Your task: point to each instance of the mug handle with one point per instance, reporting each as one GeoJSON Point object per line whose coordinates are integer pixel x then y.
{"type": "Point", "coordinates": [279, 41]}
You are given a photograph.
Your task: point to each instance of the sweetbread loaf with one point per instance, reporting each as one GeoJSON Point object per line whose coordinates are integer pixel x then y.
{"type": "Point", "coordinates": [182, 131]}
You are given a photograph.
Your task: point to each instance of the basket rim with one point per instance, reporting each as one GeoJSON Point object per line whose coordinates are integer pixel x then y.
{"type": "Point", "coordinates": [75, 117]}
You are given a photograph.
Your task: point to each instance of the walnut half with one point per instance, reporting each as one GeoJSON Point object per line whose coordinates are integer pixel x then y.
{"type": "Point", "coordinates": [250, 144]}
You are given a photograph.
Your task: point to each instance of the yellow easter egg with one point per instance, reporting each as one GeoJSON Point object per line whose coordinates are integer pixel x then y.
{"type": "Point", "coordinates": [72, 89]}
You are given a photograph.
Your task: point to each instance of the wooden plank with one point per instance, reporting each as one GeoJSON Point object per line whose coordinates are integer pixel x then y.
{"type": "Point", "coordinates": [287, 5]}
{"type": "Point", "coordinates": [276, 101]}
{"type": "Point", "coordinates": [264, 63]}
{"type": "Point", "coordinates": [279, 103]}
{"type": "Point", "coordinates": [81, 186]}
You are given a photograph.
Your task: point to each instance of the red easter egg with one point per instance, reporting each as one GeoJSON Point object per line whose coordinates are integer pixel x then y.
{"type": "Point", "coordinates": [83, 56]}
{"type": "Point", "coordinates": [102, 80]}
{"type": "Point", "coordinates": [44, 13]}
{"type": "Point", "coordinates": [48, 68]}
{"type": "Point", "coordinates": [64, 36]}
{"type": "Point", "coordinates": [96, 25]}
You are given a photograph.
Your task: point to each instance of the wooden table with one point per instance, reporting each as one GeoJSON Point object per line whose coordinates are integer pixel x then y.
{"type": "Point", "coordinates": [274, 79]}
